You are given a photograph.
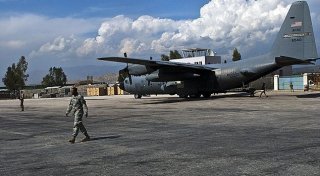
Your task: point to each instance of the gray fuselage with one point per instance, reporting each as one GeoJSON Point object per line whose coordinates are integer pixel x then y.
{"type": "Point", "coordinates": [227, 76]}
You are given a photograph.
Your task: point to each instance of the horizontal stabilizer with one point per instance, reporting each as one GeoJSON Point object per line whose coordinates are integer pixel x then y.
{"type": "Point", "coordinates": [285, 61]}
{"type": "Point", "coordinates": [313, 60]}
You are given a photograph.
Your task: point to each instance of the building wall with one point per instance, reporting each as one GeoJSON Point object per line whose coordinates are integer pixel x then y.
{"type": "Point", "coordinates": [202, 60]}
{"type": "Point", "coordinates": [190, 60]}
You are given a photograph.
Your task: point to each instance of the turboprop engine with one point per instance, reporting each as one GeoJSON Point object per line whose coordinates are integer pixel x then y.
{"type": "Point", "coordinates": [138, 70]}
{"type": "Point", "coordinates": [135, 70]}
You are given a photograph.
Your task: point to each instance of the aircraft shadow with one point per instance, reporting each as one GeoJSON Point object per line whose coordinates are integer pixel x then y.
{"type": "Point", "coordinates": [176, 99]}
{"type": "Point", "coordinates": [315, 95]}
{"type": "Point", "coordinates": [105, 137]}
{"type": "Point", "coordinates": [92, 99]}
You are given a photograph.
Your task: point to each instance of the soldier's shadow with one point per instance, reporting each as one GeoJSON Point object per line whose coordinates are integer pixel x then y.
{"type": "Point", "coordinates": [105, 137]}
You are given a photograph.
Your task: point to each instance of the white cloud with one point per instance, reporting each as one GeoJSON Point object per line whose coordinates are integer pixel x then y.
{"type": "Point", "coordinates": [59, 45]}
{"type": "Point", "coordinates": [132, 45]}
{"type": "Point", "coordinates": [31, 35]}
{"type": "Point", "coordinates": [36, 36]}
{"type": "Point", "coordinates": [29, 26]}
{"type": "Point", "coordinates": [110, 34]}
{"type": "Point", "coordinates": [13, 44]}
{"type": "Point", "coordinates": [222, 24]}
{"type": "Point", "coordinates": [150, 26]}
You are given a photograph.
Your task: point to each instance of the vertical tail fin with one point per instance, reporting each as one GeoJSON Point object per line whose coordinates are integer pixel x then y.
{"type": "Point", "coordinates": [296, 38]}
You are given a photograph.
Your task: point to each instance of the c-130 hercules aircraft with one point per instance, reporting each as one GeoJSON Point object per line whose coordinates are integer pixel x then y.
{"type": "Point", "coordinates": [295, 44]}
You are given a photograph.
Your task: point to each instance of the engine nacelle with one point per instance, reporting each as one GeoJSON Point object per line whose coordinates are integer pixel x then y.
{"type": "Point", "coordinates": [137, 70]}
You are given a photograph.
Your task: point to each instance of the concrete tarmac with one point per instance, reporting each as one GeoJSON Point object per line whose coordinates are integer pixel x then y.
{"type": "Point", "coordinates": [227, 134]}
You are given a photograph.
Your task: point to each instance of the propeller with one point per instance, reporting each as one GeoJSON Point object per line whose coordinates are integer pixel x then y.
{"type": "Point", "coordinates": [130, 79]}
{"type": "Point", "coordinates": [123, 74]}
{"type": "Point", "coordinates": [149, 81]}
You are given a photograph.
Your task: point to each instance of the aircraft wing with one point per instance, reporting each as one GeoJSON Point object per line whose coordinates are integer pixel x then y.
{"type": "Point", "coordinates": [159, 64]}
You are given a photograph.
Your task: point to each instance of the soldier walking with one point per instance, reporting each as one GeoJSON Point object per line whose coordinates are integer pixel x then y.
{"type": "Point", "coordinates": [291, 87]}
{"type": "Point", "coordinates": [79, 108]}
{"type": "Point", "coordinates": [263, 90]}
{"type": "Point", "coordinates": [21, 98]}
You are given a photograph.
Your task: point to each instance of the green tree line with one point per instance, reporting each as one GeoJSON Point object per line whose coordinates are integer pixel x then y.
{"type": "Point", "coordinates": [172, 55]}
{"type": "Point", "coordinates": [15, 78]}
{"type": "Point", "coordinates": [55, 77]}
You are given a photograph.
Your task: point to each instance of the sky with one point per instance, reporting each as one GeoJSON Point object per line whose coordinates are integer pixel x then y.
{"type": "Point", "coordinates": [75, 32]}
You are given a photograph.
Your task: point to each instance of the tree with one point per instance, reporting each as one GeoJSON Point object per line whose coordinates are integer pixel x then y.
{"type": "Point", "coordinates": [55, 77]}
{"type": "Point", "coordinates": [175, 55]}
{"type": "Point", "coordinates": [9, 78]}
{"type": "Point", "coordinates": [164, 57]}
{"type": "Point", "coordinates": [172, 55]}
{"type": "Point", "coordinates": [16, 76]}
{"type": "Point", "coordinates": [236, 55]}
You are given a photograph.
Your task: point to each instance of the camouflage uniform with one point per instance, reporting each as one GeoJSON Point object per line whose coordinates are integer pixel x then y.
{"type": "Point", "coordinates": [79, 107]}
{"type": "Point", "coordinates": [21, 98]}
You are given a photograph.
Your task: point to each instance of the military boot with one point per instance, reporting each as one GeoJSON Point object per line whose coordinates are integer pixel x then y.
{"type": "Point", "coordinates": [87, 138]}
{"type": "Point", "coordinates": [72, 140]}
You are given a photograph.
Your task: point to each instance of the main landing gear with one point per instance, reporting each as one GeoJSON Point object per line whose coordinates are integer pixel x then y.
{"type": "Point", "coordinates": [197, 95]}
{"type": "Point", "coordinates": [137, 96]}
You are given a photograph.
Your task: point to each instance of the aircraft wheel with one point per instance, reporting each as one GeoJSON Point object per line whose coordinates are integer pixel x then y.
{"type": "Point", "coordinates": [183, 96]}
{"type": "Point", "coordinates": [137, 96]}
{"type": "Point", "coordinates": [195, 95]}
{"type": "Point", "coordinates": [206, 95]}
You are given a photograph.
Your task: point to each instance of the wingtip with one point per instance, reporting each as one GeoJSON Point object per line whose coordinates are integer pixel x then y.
{"type": "Point", "coordinates": [106, 58]}
{"type": "Point", "coordinates": [102, 58]}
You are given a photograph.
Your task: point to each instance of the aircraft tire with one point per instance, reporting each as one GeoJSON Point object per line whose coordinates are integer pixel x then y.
{"type": "Point", "coordinates": [183, 96]}
{"type": "Point", "coordinates": [206, 95]}
{"type": "Point", "coordinates": [195, 95]}
{"type": "Point", "coordinates": [137, 96]}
